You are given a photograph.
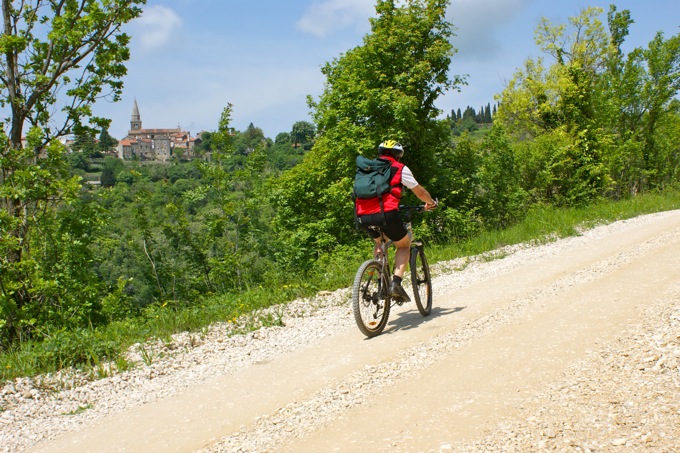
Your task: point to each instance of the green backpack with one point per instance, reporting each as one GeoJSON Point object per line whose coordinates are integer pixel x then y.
{"type": "Point", "coordinates": [372, 178]}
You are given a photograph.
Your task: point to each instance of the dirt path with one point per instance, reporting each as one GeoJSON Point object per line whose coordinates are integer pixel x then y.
{"type": "Point", "coordinates": [502, 341]}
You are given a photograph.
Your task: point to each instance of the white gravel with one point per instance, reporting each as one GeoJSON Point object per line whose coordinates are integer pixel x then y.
{"type": "Point", "coordinates": [624, 394]}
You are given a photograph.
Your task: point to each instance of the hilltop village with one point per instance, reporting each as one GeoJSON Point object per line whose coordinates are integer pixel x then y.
{"type": "Point", "coordinates": [155, 144]}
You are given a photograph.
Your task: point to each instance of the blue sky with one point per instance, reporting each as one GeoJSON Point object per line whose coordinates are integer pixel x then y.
{"type": "Point", "coordinates": [190, 58]}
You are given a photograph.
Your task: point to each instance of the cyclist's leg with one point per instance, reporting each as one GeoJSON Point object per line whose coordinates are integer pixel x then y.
{"type": "Point", "coordinates": [402, 255]}
{"type": "Point", "coordinates": [396, 231]}
{"type": "Point", "coordinates": [376, 249]}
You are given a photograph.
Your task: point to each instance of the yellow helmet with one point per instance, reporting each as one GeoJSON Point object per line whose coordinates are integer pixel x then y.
{"type": "Point", "coordinates": [392, 147]}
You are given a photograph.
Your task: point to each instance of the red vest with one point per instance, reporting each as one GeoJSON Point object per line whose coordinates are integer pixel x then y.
{"type": "Point", "coordinates": [390, 199]}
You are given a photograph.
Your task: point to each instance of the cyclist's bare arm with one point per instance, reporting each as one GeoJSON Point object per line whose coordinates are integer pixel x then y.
{"type": "Point", "coordinates": [425, 197]}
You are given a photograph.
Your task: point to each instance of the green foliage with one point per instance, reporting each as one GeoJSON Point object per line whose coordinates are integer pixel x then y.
{"type": "Point", "coordinates": [112, 169]}
{"type": "Point", "coordinates": [107, 177]}
{"type": "Point", "coordinates": [503, 201]}
{"type": "Point", "coordinates": [290, 147]}
{"type": "Point", "coordinates": [89, 348]}
{"type": "Point", "coordinates": [385, 88]}
{"type": "Point", "coordinates": [30, 189]}
{"type": "Point", "coordinates": [587, 126]}
{"type": "Point", "coordinates": [78, 161]}
{"type": "Point", "coordinates": [302, 135]}
{"type": "Point", "coordinates": [84, 143]}
{"type": "Point", "coordinates": [167, 247]}
{"type": "Point", "coordinates": [46, 280]}
{"type": "Point", "coordinates": [106, 142]}
{"type": "Point", "coordinates": [464, 125]}
{"type": "Point", "coordinates": [62, 54]}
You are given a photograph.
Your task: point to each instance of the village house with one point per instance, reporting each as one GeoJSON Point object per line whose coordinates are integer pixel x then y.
{"type": "Point", "coordinates": [155, 144]}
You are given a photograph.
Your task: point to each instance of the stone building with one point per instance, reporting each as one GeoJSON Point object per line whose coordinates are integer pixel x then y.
{"type": "Point", "coordinates": [154, 144]}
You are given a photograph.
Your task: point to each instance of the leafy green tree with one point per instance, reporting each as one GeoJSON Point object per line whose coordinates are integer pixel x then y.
{"type": "Point", "coordinates": [124, 176]}
{"type": "Point", "coordinates": [55, 56]}
{"type": "Point", "coordinates": [245, 142]}
{"type": "Point", "coordinates": [224, 248]}
{"type": "Point", "coordinates": [487, 114]}
{"type": "Point", "coordinates": [465, 125]}
{"type": "Point", "coordinates": [283, 138]}
{"type": "Point", "coordinates": [79, 161]}
{"type": "Point", "coordinates": [289, 148]}
{"type": "Point", "coordinates": [61, 54]}
{"type": "Point", "coordinates": [386, 87]}
{"type": "Point", "coordinates": [84, 142]}
{"type": "Point", "coordinates": [106, 142]}
{"type": "Point", "coordinates": [600, 105]}
{"type": "Point", "coordinates": [501, 197]}
{"type": "Point", "coordinates": [469, 113]}
{"type": "Point", "coordinates": [282, 155]}
{"type": "Point", "coordinates": [459, 169]}
{"type": "Point", "coordinates": [205, 147]}
{"type": "Point", "coordinates": [107, 177]}
{"type": "Point", "coordinates": [302, 135]}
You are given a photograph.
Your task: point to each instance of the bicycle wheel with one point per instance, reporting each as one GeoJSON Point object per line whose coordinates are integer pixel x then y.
{"type": "Point", "coordinates": [370, 299]}
{"type": "Point", "coordinates": [420, 280]}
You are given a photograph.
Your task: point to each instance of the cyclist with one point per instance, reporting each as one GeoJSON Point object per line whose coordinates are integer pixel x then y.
{"type": "Point", "coordinates": [369, 213]}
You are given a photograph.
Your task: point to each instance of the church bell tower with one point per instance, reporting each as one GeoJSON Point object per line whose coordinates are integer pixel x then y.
{"type": "Point", "coordinates": [136, 121]}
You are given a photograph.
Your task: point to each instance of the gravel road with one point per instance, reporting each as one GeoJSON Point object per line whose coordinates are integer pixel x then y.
{"type": "Point", "coordinates": [573, 345]}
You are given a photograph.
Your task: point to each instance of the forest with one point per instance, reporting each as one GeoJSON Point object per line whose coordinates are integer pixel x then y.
{"type": "Point", "coordinates": [86, 271]}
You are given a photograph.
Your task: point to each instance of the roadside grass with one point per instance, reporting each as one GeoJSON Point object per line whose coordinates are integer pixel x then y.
{"type": "Point", "coordinates": [544, 224]}
{"type": "Point", "coordinates": [102, 352]}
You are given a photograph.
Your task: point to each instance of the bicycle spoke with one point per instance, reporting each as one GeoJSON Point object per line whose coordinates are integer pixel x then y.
{"type": "Point", "coordinates": [420, 280]}
{"type": "Point", "coordinates": [370, 309]}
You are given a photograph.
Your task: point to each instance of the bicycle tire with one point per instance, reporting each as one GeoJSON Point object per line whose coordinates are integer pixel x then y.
{"type": "Point", "coordinates": [421, 281]}
{"type": "Point", "coordinates": [370, 299]}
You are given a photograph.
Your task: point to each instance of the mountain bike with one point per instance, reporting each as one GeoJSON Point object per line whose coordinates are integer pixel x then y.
{"type": "Point", "coordinates": [371, 301]}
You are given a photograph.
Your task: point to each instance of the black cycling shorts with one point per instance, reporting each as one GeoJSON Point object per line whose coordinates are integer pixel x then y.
{"type": "Point", "coordinates": [392, 224]}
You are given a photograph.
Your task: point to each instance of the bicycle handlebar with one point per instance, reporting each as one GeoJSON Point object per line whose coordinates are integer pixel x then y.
{"type": "Point", "coordinates": [421, 207]}
{"type": "Point", "coordinates": [414, 208]}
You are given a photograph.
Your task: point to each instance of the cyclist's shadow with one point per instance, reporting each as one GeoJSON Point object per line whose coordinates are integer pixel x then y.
{"type": "Point", "coordinates": [412, 319]}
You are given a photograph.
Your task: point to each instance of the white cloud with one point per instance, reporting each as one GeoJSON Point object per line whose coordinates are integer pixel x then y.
{"type": "Point", "coordinates": [156, 26]}
{"type": "Point", "coordinates": [322, 19]}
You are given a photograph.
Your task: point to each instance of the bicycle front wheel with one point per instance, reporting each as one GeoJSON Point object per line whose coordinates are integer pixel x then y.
{"type": "Point", "coordinates": [370, 299]}
{"type": "Point", "coordinates": [420, 280]}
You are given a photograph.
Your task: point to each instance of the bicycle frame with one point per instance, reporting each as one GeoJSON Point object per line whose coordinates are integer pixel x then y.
{"type": "Point", "coordinates": [371, 301]}
{"type": "Point", "coordinates": [385, 243]}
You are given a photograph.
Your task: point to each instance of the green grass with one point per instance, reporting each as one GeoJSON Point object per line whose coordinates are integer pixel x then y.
{"type": "Point", "coordinates": [89, 350]}
{"type": "Point", "coordinates": [544, 224]}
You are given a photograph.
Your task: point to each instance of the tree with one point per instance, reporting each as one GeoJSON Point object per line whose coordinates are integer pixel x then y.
{"type": "Point", "coordinates": [600, 107]}
{"type": "Point", "coordinates": [84, 142]}
{"type": "Point", "coordinates": [106, 142]}
{"type": "Point", "coordinates": [487, 114]}
{"type": "Point", "coordinates": [78, 161]}
{"type": "Point", "coordinates": [245, 142]}
{"type": "Point", "coordinates": [302, 135]}
{"type": "Point", "coordinates": [83, 53]}
{"type": "Point", "coordinates": [54, 56]}
{"type": "Point", "coordinates": [284, 154]}
{"type": "Point", "coordinates": [386, 87]}
{"type": "Point", "coordinates": [229, 250]}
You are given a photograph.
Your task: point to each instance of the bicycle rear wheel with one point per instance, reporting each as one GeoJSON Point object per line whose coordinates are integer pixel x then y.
{"type": "Point", "coordinates": [420, 280]}
{"type": "Point", "coordinates": [370, 299]}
